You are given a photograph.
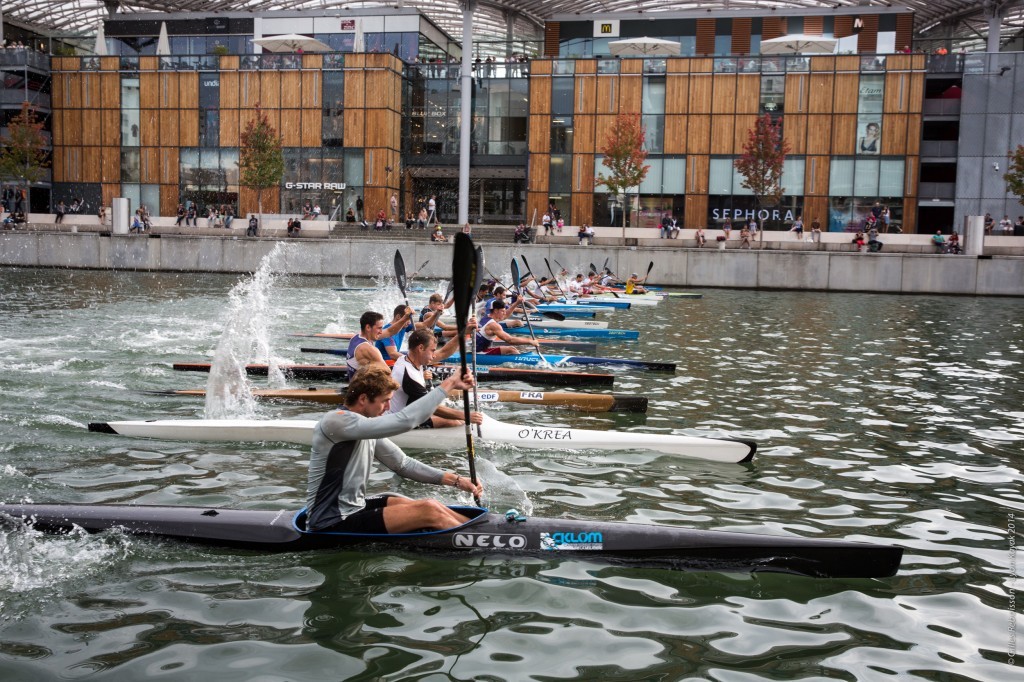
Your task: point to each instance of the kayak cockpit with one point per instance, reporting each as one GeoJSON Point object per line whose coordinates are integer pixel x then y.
{"type": "Point", "coordinates": [475, 514]}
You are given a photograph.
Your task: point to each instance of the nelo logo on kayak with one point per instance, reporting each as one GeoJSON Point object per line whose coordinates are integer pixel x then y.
{"type": "Point", "coordinates": [572, 541]}
{"type": "Point", "coordinates": [546, 434]}
{"type": "Point", "coordinates": [489, 541]}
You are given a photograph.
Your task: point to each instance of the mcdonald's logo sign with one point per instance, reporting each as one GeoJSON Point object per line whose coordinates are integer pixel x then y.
{"type": "Point", "coordinates": [608, 28]}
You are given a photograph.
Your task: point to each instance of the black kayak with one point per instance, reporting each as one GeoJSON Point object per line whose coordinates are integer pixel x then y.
{"type": "Point", "coordinates": [628, 544]}
{"type": "Point", "coordinates": [543, 377]}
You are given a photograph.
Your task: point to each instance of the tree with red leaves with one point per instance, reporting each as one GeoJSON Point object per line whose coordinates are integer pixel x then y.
{"type": "Point", "coordinates": [23, 157]}
{"type": "Point", "coordinates": [760, 165]}
{"type": "Point", "coordinates": [624, 157]}
{"type": "Point", "coordinates": [1014, 176]}
{"type": "Point", "coordinates": [260, 158]}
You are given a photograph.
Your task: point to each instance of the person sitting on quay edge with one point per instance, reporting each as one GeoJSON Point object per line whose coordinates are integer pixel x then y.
{"type": "Point", "coordinates": [254, 225]}
{"type": "Point", "coordinates": [180, 212]}
{"type": "Point", "coordinates": [798, 228]}
{"type": "Point", "coordinates": [60, 211]}
{"type": "Point", "coordinates": [350, 215]}
{"type": "Point", "coordinates": [953, 246]}
{"type": "Point", "coordinates": [294, 227]}
{"type": "Point", "coordinates": [345, 443]}
{"type": "Point", "coordinates": [699, 236]}
{"type": "Point", "coordinates": [938, 241]}
{"type": "Point", "coordinates": [744, 237]}
{"type": "Point", "coordinates": [438, 236]}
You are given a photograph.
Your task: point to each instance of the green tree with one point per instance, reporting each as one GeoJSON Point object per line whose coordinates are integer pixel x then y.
{"type": "Point", "coordinates": [1014, 176]}
{"type": "Point", "coordinates": [761, 164]}
{"type": "Point", "coordinates": [260, 159]}
{"type": "Point", "coordinates": [624, 157]}
{"type": "Point", "coordinates": [23, 157]}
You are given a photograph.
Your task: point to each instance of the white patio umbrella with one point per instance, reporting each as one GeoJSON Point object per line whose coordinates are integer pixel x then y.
{"type": "Point", "coordinates": [101, 41]}
{"type": "Point", "coordinates": [798, 43]}
{"type": "Point", "coordinates": [644, 47]}
{"type": "Point", "coordinates": [292, 42]}
{"type": "Point", "coordinates": [163, 45]}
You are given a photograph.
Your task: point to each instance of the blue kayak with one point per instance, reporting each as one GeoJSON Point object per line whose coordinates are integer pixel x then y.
{"type": "Point", "coordinates": [570, 308]}
{"type": "Point", "coordinates": [534, 359]}
{"type": "Point", "coordinates": [619, 334]}
{"type": "Point", "coordinates": [603, 302]}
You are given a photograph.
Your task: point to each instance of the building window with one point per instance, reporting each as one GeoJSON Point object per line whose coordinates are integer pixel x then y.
{"type": "Point", "coordinates": [773, 94]}
{"type": "Point", "coordinates": [561, 135]}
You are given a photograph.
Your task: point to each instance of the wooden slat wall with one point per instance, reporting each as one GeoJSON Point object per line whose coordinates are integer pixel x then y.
{"type": "Point", "coordinates": [815, 208]}
{"type": "Point", "coordinates": [816, 176]}
{"type": "Point", "coordinates": [540, 95]}
{"type": "Point", "coordinates": [844, 133]}
{"type": "Point", "coordinates": [585, 96]}
{"type": "Point", "coordinates": [904, 30]}
{"type": "Point", "coordinates": [705, 36]}
{"type": "Point", "coordinates": [896, 98]}
{"type": "Point", "coordinates": [797, 89]}
{"type": "Point", "coordinates": [723, 97]}
{"type": "Point", "coordinates": [820, 93]}
{"type": "Point", "coordinates": [773, 27]}
{"type": "Point", "coordinates": [867, 42]}
{"type": "Point", "coordinates": [697, 169]}
{"type": "Point", "coordinates": [700, 93]}
{"type": "Point", "coordinates": [819, 134]}
{"type": "Point", "coordinates": [582, 207]}
{"type": "Point", "coordinates": [552, 36]}
{"type": "Point", "coordinates": [814, 26]}
{"type": "Point", "coordinates": [675, 134]}
{"type": "Point", "coordinates": [722, 131]}
{"type": "Point", "coordinates": [630, 93]}
{"type": "Point", "coordinates": [843, 26]}
{"type": "Point", "coordinates": [741, 35]}
{"type": "Point", "coordinates": [698, 138]}
{"type": "Point", "coordinates": [748, 94]}
{"type": "Point", "coordinates": [677, 94]}
{"type": "Point", "coordinates": [845, 93]}
{"type": "Point", "coordinates": [607, 94]}
{"type": "Point", "coordinates": [582, 173]}
{"type": "Point", "coordinates": [695, 209]}
{"type": "Point", "coordinates": [744, 124]}
{"type": "Point", "coordinates": [540, 133]}
{"type": "Point", "coordinates": [584, 129]}
{"type": "Point", "coordinates": [794, 131]}
{"type": "Point", "coordinates": [909, 216]}
{"type": "Point", "coordinates": [894, 134]}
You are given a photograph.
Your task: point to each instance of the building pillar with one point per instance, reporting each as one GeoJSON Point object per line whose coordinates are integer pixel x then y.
{"type": "Point", "coordinates": [994, 14]}
{"type": "Point", "coordinates": [466, 110]}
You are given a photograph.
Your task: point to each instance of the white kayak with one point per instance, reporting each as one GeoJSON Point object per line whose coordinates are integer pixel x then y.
{"type": "Point", "coordinates": [541, 322]}
{"type": "Point", "coordinates": [538, 437]}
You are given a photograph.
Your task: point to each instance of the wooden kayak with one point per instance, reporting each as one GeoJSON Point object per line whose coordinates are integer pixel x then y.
{"type": "Point", "coordinates": [584, 402]}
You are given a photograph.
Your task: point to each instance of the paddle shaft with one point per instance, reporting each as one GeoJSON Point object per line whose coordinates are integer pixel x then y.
{"type": "Point", "coordinates": [466, 262]}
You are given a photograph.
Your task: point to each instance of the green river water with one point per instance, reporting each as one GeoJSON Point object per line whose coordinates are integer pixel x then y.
{"type": "Point", "coordinates": [894, 418]}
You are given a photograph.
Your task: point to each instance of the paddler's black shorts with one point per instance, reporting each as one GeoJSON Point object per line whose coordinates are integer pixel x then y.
{"type": "Point", "coordinates": [369, 519]}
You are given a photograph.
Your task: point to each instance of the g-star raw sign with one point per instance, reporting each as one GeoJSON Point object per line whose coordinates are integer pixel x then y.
{"type": "Point", "coordinates": [315, 185]}
{"type": "Point", "coordinates": [489, 540]}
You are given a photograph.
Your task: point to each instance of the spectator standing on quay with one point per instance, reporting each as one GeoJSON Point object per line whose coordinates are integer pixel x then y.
{"type": "Point", "coordinates": [101, 213]}
{"type": "Point", "coordinates": [432, 210]}
{"type": "Point", "coordinates": [394, 207]}
{"type": "Point", "coordinates": [359, 207]}
{"type": "Point", "coordinates": [254, 226]}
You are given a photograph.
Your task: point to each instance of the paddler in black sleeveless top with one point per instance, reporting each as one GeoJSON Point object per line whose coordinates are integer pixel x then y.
{"type": "Point", "coordinates": [412, 374]}
{"type": "Point", "coordinates": [361, 349]}
{"type": "Point", "coordinates": [490, 329]}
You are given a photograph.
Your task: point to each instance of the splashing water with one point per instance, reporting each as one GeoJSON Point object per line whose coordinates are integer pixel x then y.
{"type": "Point", "coordinates": [246, 335]}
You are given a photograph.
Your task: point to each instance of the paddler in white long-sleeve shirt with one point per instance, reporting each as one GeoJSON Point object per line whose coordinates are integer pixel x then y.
{"type": "Point", "coordinates": [346, 442]}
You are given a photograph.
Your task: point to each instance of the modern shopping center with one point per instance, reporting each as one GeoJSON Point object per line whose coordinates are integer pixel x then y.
{"type": "Point", "coordinates": [911, 105]}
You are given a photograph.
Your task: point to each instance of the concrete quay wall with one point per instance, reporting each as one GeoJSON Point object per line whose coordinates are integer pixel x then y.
{"type": "Point", "coordinates": [686, 267]}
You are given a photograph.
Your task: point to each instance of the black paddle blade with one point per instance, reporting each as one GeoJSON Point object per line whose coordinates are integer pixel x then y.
{"type": "Point", "coordinates": [400, 271]}
{"type": "Point", "coordinates": [649, 268]}
{"type": "Point", "coordinates": [515, 275]}
{"type": "Point", "coordinates": [479, 269]}
{"type": "Point", "coordinates": [465, 273]}
{"type": "Point", "coordinates": [593, 268]}
{"type": "Point", "coordinates": [605, 266]}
